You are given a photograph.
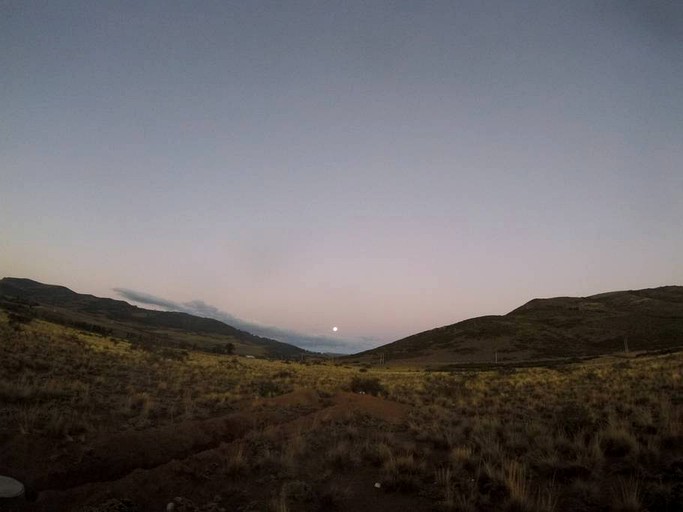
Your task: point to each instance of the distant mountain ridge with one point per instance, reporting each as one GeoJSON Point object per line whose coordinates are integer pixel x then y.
{"type": "Point", "coordinates": [648, 319]}
{"type": "Point", "coordinates": [59, 303]}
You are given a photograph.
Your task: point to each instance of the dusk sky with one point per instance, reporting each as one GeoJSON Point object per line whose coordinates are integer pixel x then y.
{"type": "Point", "coordinates": [383, 167]}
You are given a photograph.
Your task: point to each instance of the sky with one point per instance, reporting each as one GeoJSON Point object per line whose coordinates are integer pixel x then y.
{"type": "Point", "coordinates": [382, 167]}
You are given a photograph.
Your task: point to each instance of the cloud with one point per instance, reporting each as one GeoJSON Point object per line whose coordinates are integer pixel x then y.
{"type": "Point", "coordinates": [145, 298]}
{"type": "Point", "coordinates": [201, 308]}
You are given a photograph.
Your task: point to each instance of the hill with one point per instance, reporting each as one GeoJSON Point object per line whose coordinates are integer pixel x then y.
{"type": "Point", "coordinates": [92, 423]}
{"type": "Point", "coordinates": [116, 317]}
{"type": "Point", "coordinates": [561, 327]}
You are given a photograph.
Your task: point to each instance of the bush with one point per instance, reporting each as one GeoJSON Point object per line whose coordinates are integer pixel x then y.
{"type": "Point", "coordinates": [618, 443]}
{"type": "Point", "coordinates": [268, 388]}
{"type": "Point", "coordinates": [176, 355]}
{"type": "Point", "coordinates": [18, 320]}
{"type": "Point", "coordinates": [369, 385]}
{"type": "Point", "coordinates": [575, 417]}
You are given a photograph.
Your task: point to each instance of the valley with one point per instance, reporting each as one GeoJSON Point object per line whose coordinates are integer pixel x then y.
{"type": "Point", "coordinates": [95, 423]}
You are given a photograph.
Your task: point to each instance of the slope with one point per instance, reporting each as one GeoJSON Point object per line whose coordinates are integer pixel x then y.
{"type": "Point", "coordinates": [649, 319]}
{"type": "Point", "coordinates": [108, 316]}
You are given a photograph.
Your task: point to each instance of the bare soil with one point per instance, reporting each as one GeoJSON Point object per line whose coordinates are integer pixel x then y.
{"type": "Point", "coordinates": [148, 469]}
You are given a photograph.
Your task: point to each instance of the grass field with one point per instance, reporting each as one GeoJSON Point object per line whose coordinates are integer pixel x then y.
{"type": "Point", "coordinates": [94, 423]}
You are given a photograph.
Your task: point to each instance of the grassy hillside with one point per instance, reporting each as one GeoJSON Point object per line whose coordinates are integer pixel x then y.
{"type": "Point", "coordinates": [562, 327]}
{"type": "Point", "coordinates": [116, 317]}
{"type": "Point", "coordinates": [91, 423]}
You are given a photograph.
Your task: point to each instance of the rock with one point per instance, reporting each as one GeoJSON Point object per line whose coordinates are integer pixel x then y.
{"type": "Point", "coordinates": [10, 488]}
{"type": "Point", "coordinates": [377, 485]}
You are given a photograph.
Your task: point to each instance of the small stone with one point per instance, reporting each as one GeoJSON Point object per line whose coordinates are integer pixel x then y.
{"type": "Point", "coordinates": [10, 488]}
{"type": "Point", "coordinates": [377, 485]}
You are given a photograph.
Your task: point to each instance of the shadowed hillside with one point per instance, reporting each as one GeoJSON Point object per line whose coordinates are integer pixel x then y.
{"type": "Point", "coordinates": [561, 327]}
{"type": "Point", "coordinates": [116, 317]}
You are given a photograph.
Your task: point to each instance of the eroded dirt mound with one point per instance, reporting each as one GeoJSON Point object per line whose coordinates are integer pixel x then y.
{"type": "Point", "coordinates": [152, 466]}
{"type": "Point", "coordinates": [379, 408]}
{"type": "Point", "coordinates": [48, 465]}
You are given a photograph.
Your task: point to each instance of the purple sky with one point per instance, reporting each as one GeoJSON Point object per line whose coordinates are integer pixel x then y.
{"type": "Point", "coordinates": [386, 167]}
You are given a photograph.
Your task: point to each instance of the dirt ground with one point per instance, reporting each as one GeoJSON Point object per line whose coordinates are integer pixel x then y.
{"type": "Point", "coordinates": [147, 470]}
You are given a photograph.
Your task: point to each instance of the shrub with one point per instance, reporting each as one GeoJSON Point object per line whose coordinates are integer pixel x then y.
{"type": "Point", "coordinates": [617, 443]}
{"type": "Point", "coordinates": [176, 355]}
{"type": "Point", "coordinates": [575, 417]}
{"type": "Point", "coordinates": [268, 388]}
{"type": "Point", "coordinates": [369, 385]}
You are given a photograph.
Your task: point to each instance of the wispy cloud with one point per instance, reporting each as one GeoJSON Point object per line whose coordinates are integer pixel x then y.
{"type": "Point", "coordinates": [201, 308]}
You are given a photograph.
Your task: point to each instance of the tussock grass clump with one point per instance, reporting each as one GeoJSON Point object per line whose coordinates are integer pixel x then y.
{"type": "Point", "coordinates": [618, 442]}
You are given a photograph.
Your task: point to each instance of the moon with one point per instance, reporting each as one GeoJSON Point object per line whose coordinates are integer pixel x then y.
{"type": "Point", "coordinates": [335, 328]}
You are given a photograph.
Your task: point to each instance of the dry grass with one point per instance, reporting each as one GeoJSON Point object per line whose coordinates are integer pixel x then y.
{"type": "Point", "coordinates": [602, 436]}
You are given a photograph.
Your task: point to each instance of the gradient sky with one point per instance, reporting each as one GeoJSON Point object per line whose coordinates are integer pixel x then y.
{"type": "Point", "coordinates": [386, 167]}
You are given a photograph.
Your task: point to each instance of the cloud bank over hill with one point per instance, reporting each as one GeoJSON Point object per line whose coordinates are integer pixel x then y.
{"type": "Point", "coordinates": [200, 308]}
